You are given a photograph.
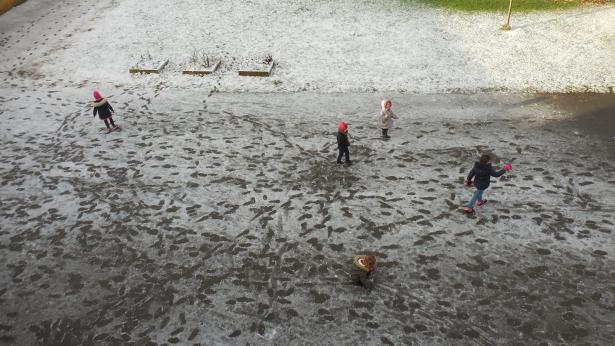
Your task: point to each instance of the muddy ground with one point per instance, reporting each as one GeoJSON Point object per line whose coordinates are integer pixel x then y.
{"type": "Point", "coordinates": [223, 220]}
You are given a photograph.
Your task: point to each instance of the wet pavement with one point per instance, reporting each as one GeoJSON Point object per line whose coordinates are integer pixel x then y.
{"type": "Point", "coordinates": [223, 219]}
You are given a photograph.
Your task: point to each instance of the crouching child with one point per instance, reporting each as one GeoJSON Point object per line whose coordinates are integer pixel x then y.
{"type": "Point", "coordinates": [363, 266]}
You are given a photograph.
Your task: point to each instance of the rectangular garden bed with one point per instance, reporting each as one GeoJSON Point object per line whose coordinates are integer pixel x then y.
{"type": "Point", "coordinates": [200, 64]}
{"type": "Point", "coordinates": [147, 64]}
{"type": "Point", "coordinates": [263, 69]}
{"type": "Point", "coordinates": [202, 71]}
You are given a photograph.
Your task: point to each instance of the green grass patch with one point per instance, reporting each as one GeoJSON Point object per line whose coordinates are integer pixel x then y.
{"type": "Point", "coordinates": [500, 5]}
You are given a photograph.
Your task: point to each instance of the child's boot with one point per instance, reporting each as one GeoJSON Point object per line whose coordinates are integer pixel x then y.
{"type": "Point", "coordinates": [481, 202]}
{"type": "Point", "coordinates": [467, 210]}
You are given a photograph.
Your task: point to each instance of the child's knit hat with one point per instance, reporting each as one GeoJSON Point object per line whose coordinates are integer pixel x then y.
{"type": "Point", "coordinates": [342, 127]}
{"type": "Point", "coordinates": [97, 96]}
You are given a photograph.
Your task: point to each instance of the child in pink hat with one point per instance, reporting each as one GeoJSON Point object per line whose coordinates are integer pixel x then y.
{"type": "Point", "coordinates": [104, 110]}
{"type": "Point", "coordinates": [343, 143]}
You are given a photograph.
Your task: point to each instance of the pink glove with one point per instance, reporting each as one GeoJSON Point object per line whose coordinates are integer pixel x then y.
{"type": "Point", "coordinates": [468, 183]}
{"type": "Point", "coordinates": [507, 167]}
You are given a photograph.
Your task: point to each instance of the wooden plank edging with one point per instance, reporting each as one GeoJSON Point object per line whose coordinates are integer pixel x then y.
{"type": "Point", "coordinates": [258, 73]}
{"type": "Point", "coordinates": [203, 72]}
{"type": "Point", "coordinates": [149, 70]}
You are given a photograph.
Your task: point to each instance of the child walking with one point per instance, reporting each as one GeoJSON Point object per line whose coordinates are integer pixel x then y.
{"type": "Point", "coordinates": [386, 118]}
{"type": "Point", "coordinates": [482, 173]}
{"type": "Point", "coordinates": [343, 143]}
{"type": "Point", "coordinates": [104, 110]}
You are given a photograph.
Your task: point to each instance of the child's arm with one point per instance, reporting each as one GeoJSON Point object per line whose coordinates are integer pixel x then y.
{"type": "Point", "coordinates": [470, 176]}
{"type": "Point", "coordinates": [94, 111]}
{"type": "Point", "coordinates": [340, 141]}
{"type": "Point", "coordinates": [110, 107]}
{"type": "Point", "coordinates": [495, 173]}
{"type": "Point", "coordinates": [393, 115]}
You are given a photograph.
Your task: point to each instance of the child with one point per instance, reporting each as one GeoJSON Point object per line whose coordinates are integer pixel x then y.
{"type": "Point", "coordinates": [343, 143]}
{"type": "Point", "coordinates": [482, 173]}
{"type": "Point", "coordinates": [104, 110]}
{"type": "Point", "coordinates": [363, 266]}
{"type": "Point", "coordinates": [385, 120]}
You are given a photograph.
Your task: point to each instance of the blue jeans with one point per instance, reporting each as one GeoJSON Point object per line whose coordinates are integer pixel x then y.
{"type": "Point", "coordinates": [478, 196]}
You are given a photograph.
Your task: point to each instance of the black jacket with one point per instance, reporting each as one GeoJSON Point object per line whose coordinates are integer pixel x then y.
{"type": "Point", "coordinates": [482, 175]}
{"type": "Point", "coordinates": [360, 277]}
{"type": "Point", "coordinates": [342, 140]}
{"type": "Point", "coordinates": [103, 108]}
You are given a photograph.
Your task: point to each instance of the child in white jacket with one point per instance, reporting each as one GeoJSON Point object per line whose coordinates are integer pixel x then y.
{"type": "Point", "coordinates": [386, 118]}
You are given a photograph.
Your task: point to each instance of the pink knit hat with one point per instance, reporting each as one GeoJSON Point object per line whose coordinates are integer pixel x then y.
{"type": "Point", "coordinates": [97, 96]}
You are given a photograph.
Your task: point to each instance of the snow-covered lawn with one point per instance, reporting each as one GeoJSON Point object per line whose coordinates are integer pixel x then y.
{"type": "Point", "coordinates": [324, 46]}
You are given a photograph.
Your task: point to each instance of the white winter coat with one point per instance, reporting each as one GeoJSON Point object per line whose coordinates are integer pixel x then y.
{"type": "Point", "coordinates": [387, 117]}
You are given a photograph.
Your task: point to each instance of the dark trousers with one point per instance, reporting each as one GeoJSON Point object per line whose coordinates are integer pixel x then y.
{"type": "Point", "coordinates": [107, 122]}
{"type": "Point", "coordinates": [343, 152]}
{"type": "Point", "coordinates": [385, 132]}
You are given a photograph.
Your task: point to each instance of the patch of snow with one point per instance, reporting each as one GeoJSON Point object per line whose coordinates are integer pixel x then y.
{"type": "Point", "coordinates": [340, 46]}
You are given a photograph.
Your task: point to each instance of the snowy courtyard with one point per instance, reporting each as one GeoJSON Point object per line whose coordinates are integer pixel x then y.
{"type": "Point", "coordinates": [224, 220]}
{"type": "Point", "coordinates": [216, 214]}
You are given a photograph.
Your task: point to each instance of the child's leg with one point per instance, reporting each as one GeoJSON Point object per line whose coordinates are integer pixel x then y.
{"type": "Point", "coordinates": [339, 156]}
{"type": "Point", "coordinates": [347, 154]}
{"type": "Point", "coordinates": [111, 121]}
{"type": "Point", "coordinates": [481, 200]}
{"type": "Point", "coordinates": [384, 132]}
{"type": "Point", "coordinates": [478, 195]}
{"type": "Point", "coordinates": [106, 123]}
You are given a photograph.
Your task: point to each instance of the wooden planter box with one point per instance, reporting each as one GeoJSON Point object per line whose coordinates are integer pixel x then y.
{"type": "Point", "coordinates": [258, 73]}
{"type": "Point", "coordinates": [6, 5]}
{"type": "Point", "coordinates": [149, 70]}
{"type": "Point", "coordinates": [203, 71]}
